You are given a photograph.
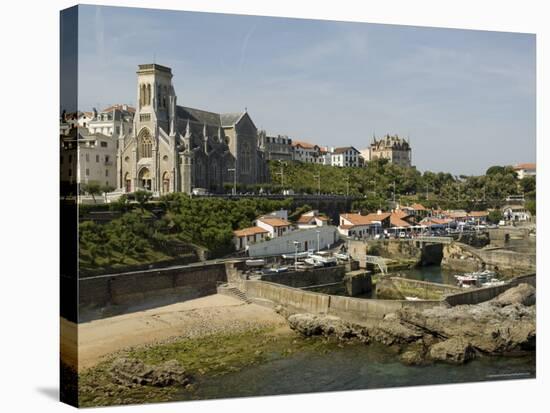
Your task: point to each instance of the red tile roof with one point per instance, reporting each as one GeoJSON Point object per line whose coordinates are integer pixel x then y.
{"type": "Point", "coordinates": [275, 222]}
{"type": "Point", "coordinates": [305, 145]}
{"type": "Point", "coordinates": [395, 221]}
{"type": "Point", "coordinates": [120, 107]}
{"type": "Point", "coordinates": [378, 217]}
{"type": "Point", "coordinates": [356, 219]}
{"type": "Point", "coordinates": [418, 207]}
{"type": "Point", "coordinates": [249, 231]}
{"type": "Point", "coordinates": [400, 214]}
{"type": "Point", "coordinates": [478, 214]}
{"type": "Point", "coordinates": [304, 219]}
{"type": "Point", "coordinates": [525, 166]}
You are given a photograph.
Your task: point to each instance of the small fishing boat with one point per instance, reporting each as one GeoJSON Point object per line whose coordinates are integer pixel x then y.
{"type": "Point", "coordinates": [277, 269]}
{"type": "Point", "coordinates": [255, 263]}
{"type": "Point", "coordinates": [476, 279]}
{"type": "Point", "coordinates": [314, 262]}
{"type": "Point", "coordinates": [304, 254]}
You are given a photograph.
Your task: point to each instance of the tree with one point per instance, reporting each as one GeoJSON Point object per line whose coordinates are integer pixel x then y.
{"type": "Point", "coordinates": [93, 188]}
{"type": "Point", "coordinates": [529, 185]}
{"type": "Point", "coordinates": [142, 197]}
{"type": "Point", "coordinates": [497, 169]}
{"type": "Point", "coordinates": [531, 206]}
{"type": "Point", "coordinates": [495, 216]}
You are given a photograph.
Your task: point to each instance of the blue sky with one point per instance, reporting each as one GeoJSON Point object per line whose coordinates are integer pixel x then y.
{"type": "Point", "coordinates": [466, 99]}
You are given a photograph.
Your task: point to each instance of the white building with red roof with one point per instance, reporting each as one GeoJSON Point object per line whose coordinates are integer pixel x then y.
{"type": "Point", "coordinates": [307, 152]}
{"type": "Point", "coordinates": [311, 219]}
{"type": "Point", "coordinates": [525, 169]}
{"type": "Point", "coordinates": [242, 238]}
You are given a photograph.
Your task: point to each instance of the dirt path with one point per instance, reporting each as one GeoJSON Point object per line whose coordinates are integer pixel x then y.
{"type": "Point", "coordinates": [193, 318]}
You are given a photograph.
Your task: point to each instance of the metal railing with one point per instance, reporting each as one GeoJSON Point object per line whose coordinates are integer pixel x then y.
{"type": "Point", "coordinates": [376, 260]}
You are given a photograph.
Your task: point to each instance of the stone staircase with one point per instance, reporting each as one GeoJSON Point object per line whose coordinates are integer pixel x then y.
{"type": "Point", "coordinates": [234, 292]}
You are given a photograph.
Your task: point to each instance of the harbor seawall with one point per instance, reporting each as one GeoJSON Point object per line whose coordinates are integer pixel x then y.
{"type": "Point", "coordinates": [108, 295]}
{"type": "Point", "coordinates": [353, 309]}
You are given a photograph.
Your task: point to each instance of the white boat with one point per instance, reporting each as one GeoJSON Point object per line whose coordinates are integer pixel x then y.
{"type": "Point", "coordinates": [277, 269]}
{"type": "Point", "coordinates": [297, 256]}
{"type": "Point", "coordinates": [324, 259]}
{"type": "Point", "coordinates": [412, 298]}
{"type": "Point", "coordinates": [476, 279]}
{"type": "Point", "coordinates": [341, 256]}
{"type": "Point", "coordinates": [255, 263]}
{"type": "Point", "coordinates": [312, 261]}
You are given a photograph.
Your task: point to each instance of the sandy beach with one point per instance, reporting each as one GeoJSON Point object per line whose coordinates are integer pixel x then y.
{"type": "Point", "coordinates": [194, 318]}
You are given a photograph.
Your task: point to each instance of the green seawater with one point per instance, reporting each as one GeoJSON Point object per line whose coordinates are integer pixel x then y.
{"type": "Point", "coordinates": [352, 367]}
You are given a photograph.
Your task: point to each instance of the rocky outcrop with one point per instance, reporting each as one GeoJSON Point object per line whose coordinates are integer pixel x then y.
{"type": "Point", "coordinates": [129, 372]}
{"type": "Point", "coordinates": [325, 325]}
{"type": "Point", "coordinates": [504, 325]}
{"type": "Point", "coordinates": [522, 294]}
{"type": "Point", "coordinates": [456, 350]}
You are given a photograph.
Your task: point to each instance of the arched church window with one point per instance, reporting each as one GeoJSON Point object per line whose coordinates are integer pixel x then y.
{"type": "Point", "coordinates": [148, 100]}
{"type": "Point", "coordinates": [145, 144]}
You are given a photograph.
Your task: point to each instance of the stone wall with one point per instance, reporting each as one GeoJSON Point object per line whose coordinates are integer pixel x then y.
{"type": "Point", "coordinates": [399, 287]}
{"type": "Point", "coordinates": [115, 294]}
{"type": "Point", "coordinates": [293, 298]}
{"type": "Point", "coordinates": [421, 252]}
{"type": "Point", "coordinates": [307, 278]}
{"type": "Point", "coordinates": [353, 309]}
{"type": "Point", "coordinates": [479, 295]}
{"type": "Point", "coordinates": [461, 257]}
{"type": "Point", "coordinates": [357, 309]}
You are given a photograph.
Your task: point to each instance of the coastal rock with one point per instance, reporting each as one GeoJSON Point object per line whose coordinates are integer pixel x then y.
{"type": "Point", "coordinates": [413, 355]}
{"type": "Point", "coordinates": [391, 332]}
{"type": "Point", "coordinates": [524, 294]}
{"type": "Point", "coordinates": [504, 325]}
{"type": "Point", "coordinates": [326, 325]}
{"type": "Point", "coordinates": [455, 350]}
{"type": "Point", "coordinates": [129, 372]}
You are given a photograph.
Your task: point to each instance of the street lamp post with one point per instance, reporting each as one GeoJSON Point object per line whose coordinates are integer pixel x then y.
{"type": "Point", "coordinates": [318, 244]}
{"type": "Point", "coordinates": [373, 186]}
{"type": "Point", "coordinates": [296, 243]}
{"type": "Point", "coordinates": [234, 170]}
{"type": "Point", "coordinates": [281, 172]}
{"type": "Point", "coordinates": [318, 177]}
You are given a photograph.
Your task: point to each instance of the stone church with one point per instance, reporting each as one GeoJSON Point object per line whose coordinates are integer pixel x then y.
{"type": "Point", "coordinates": [177, 148]}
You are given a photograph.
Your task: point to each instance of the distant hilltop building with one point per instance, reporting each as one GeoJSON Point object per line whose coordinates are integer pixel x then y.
{"type": "Point", "coordinates": [397, 150]}
{"type": "Point", "coordinates": [346, 156]}
{"type": "Point", "coordinates": [276, 147]}
{"type": "Point", "coordinates": [525, 169]}
{"type": "Point", "coordinates": [307, 152]}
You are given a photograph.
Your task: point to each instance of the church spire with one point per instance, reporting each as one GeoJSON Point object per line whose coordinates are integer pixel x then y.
{"type": "Point", "coordinates": [187, 130]}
